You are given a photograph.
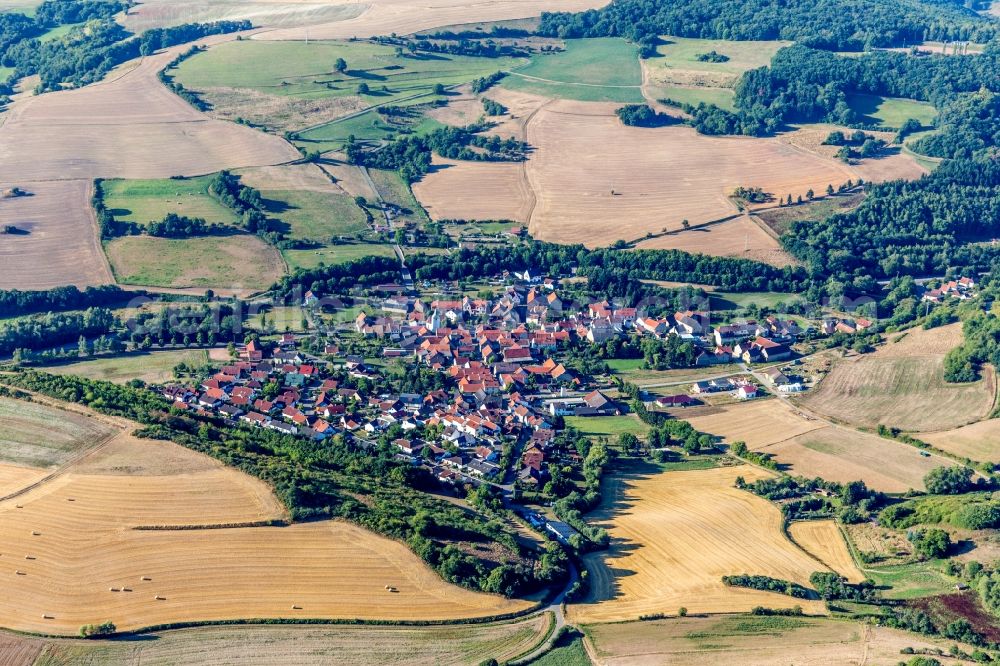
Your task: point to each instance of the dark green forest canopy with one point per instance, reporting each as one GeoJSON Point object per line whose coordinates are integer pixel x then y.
{"type": "Point", "coordinates": [830, 24]}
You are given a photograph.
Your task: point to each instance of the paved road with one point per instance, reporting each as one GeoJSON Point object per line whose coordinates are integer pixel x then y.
{"type": "Point", "coordinates": [556, 608]}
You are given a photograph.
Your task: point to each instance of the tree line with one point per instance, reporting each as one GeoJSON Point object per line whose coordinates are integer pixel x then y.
{"type": "Point", "coordinates": [844, 25]}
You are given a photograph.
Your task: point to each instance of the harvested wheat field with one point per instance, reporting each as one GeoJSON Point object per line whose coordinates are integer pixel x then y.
{"type": "Point", "coordinates": [15, 477]}
{"type": "Point", "coordinates": [822, 539]}
{"type": "Point", "coordinates": [305, 645]}
{"type": "Point", "coordinates": [75, 542]}
{"type": "Point", "coordinates": [844, 455]}
{"type": "Point", "coordinates": [381, 17]}
{"type": "Point", "coordinates": [891, 166]}
{"type": "Point", "coordinates": [809, 446]}
{"type": "Point", "coordinates": [753, 641]}
{"type": "Point", "coordinates": [978, 441]}
{"type": "Point", "coordinates": [651, 178]}
{"type": "Point", "coordinates": [60, 246]}
{"type": "Point", "coordinates": [675, 534]}
{"type": "Point", "coordinates": [129, 127]}
{"type": "Point", "coordinates": [902, 385]}
{"type": "Point", "coordinates": [456, 190]}
{"type": "Point", "coordinates": [759, 423]}
{"type": "Point", "coordinates": [739, 237]}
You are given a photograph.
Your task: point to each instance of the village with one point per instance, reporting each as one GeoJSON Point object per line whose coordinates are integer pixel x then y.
{"type": "Point", "coordinates": [502, 385]}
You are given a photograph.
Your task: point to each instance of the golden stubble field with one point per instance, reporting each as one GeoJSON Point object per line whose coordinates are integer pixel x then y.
{"type": "Point", "coordinates": [902, 385]}
{"type": "Point", "coordinates": [675, 534]}
{"type": "Point", "coordinates": [822, 539]}
{"type": "Point", "coordinates": [809, 446]}
{"type": "Point", "coordinates": [68, 544]}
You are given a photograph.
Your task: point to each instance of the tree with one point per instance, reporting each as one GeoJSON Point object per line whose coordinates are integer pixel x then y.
{"type": "Point", "coordinates": [931, 543]}
{"type": "Point", "coordinates": [439, 89]}
{"type": "Point", "coordinates": [83, 348]}
{"type": "Point", "coordinates": [686, 224]}
{"type": "Point", "coordinates": [340, 65]}
{"type": "Point", "coordinates": [810, 194]}
{"type": "Point", "coordinates": [948, 480]}
{"type": "Point", "coordinates": [829, 190]}
{"type": "Point", "coordinates": [363, 88]}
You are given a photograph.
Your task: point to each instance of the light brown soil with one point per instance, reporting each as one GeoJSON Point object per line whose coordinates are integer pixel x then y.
{"type": "Point", "coordinates": [739, 237]}
{"type": "Point", "coordinates": [61, 247]}
{"type": "Point", "coordinates": [457, 190]}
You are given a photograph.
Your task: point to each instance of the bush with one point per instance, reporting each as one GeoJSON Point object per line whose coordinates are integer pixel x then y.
{"type": "Point", "coordinates": [978, 516]}
{"type": "Point", "coordinates": [105, 628]}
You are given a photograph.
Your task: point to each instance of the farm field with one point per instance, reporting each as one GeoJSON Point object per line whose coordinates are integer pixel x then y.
{"type": "Point", "coordinates": [590, 70]}
{"type": "Point", "coordinates": [678, 75]}
{"type": "Point", "coordinates": [810, 447]}
{"type": "Point", "coordinates": [722, 300]}
{"type": "Point", "coordinates": [978, 441]}
{"type": "Point", "coordinates": [891, 111]}
{"type": "Point", "coordinates": [48, 144]}
{"type": "Point", "coordinates": [694, 95]}
{"type": "Point", "coordinates": [608, 426]}
{"type": "Point", "coordinates": [297, 79]}
{"type": "Point", "coordinates": [334, 254]}
{"type": "Point", "coordinates": [86, 542]}
{"type": "Point", "coordinates": [752, 641]}
{"type": "Point", "coordinates": [739, 237]}
{"type": "Point", "coordinates": [844, 455]}
{"type": "Point", "coordinates": [382, 17]}
{"type": "Point", "coordinates": [781, 219]}
{"type": "Point", "coordinates": [164, 13]}
{"type": "Point", "coordinates": [304, 645]}
{"type": "Point", "coordinates": [240, 261]}
{"type": "Point", "coordinates": [659, 177]}
{"type": "Point", "coordinates": [902, 385]}
{"type": "Point", "coordinates": [38, 436]}
{"type": "Point", "coordinates": [475, 191]}
{"type": "Point", "coordinates": [144, 201]}
{"type": "Point", "coordinates": [307, 201]}
{"type": "Point", "coordinates": [631, 370]}
{"type": "Point", "coordinates": [675, 534]}
{"type": "Point", "coordinates": [61, 229]}
{"type": "Point", "coordinates": [822, 539]}
{"type": "Point", "coordinates": [152, 368]}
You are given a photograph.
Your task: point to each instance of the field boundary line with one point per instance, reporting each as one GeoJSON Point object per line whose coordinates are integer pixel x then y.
{"type": "Point", "coordinates": [62, 469]}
